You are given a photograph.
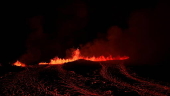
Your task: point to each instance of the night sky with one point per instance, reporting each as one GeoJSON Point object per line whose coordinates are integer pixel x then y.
{"type": "Point", "coordinates": [38, 31]}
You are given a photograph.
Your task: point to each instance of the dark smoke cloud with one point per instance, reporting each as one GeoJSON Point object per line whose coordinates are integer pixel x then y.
{"type": "Point", "coordinates": [104, 46]}
{"type": "Point", "coordinates": [146, 40]}
{"type": "Point", "coordinates": [35, 41]}
{"type": "Point", "coordinates": [149, 33]}
{"type": "Point", "coordinates": [46, 42]}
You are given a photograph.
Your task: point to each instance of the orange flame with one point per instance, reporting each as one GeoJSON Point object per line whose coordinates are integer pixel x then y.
{"type": "Point", "coordinates": [17, 63]}
{"type": "Point", "coordinates": [76, 55]}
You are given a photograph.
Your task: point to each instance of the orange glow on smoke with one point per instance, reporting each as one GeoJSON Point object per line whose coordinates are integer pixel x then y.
{"type": "Point", "coordinates": [17, 63]}
{"type": "Point", "coordinates": [76, 55]}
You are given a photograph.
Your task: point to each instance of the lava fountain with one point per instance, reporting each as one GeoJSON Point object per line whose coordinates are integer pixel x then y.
{"type": "Point", "coordinates": [17, 63]}
{"type": "Point", "coordinates": [76, 56]}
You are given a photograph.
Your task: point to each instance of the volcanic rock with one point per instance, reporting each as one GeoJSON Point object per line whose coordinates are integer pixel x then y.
{"type": "Point", "coordinates": [82, 66]}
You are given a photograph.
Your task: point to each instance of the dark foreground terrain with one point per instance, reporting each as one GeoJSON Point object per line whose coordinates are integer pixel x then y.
{"type": "Point", "coordinates": [85, 78]}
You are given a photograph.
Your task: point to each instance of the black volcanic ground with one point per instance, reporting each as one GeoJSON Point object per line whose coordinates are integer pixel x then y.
{"type": "Point", "coordinates": [84, 78]}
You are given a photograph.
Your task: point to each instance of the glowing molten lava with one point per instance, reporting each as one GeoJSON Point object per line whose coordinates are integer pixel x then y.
{"type": "Point", "coordinates": [76, 55]}
{"type": "Point", "coordinates": [17, 63]}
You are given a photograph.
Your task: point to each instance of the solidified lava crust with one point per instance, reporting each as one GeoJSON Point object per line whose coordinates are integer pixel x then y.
{"type": "Point", "coordinates": [79, 78]}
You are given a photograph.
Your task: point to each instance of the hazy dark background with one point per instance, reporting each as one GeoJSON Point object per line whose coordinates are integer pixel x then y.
{"type": "Point", "coordinates": [38, 31]}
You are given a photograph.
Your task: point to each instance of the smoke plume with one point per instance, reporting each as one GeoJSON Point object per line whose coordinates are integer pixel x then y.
{"type": "Point", "coordinates": [51, 36]}
{"type": "Point", "coordinates": [145, 41]}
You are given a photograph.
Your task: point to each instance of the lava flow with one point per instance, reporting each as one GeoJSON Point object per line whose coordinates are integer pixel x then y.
{"type": "Point", "coordinates": [76, 56]}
